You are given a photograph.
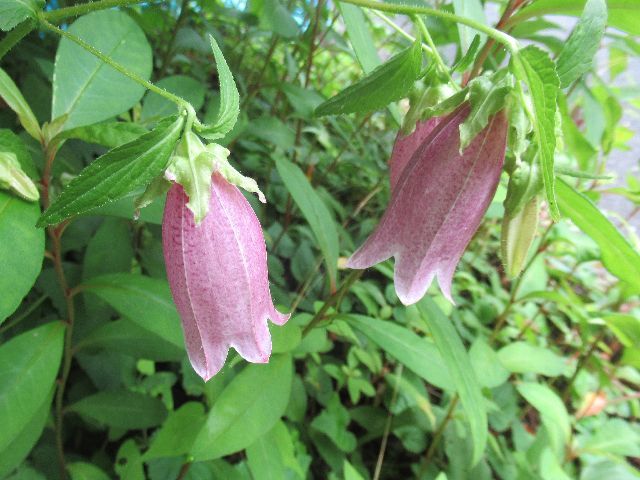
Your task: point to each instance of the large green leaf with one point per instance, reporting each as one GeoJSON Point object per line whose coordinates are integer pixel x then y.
{"type": "Point", "coordinates": [315, 212]}
{"type": "Point", "coordinates": [178, 433]}
{"type": "Point", "coordinates": [121, 409]}
{"type": "Point", "coordinates": [21, 251]}
{"type": "Point", "coordinates": [578, 52]}
{"type": "Point", "coordinates": [623, 14]}
{"type": "Point", "coordinates": [273, 456]}
{"type": "Point", "coordinates": [88, 90]}
{"type": "Point", "coordinates": [416, 353]}
{"type": "Point", "coordinates": [144, 300]}
{"type": "Point", "coordinates": [155, 107]}
{"type": "Point", "coordinates": [457, 360]}
{"type": "Point", "coordinates": [552, 411]}
{"type": "Point", "coordinates": [116, 173]}
{"type": "Point", "coordinates": [534, 67]}
{"type": "Point", "coordinates": [618, 256]}
{"type": "Point", "coordinates": [12, 96]}
{"type": "Point", "coordinates": [246, 409]}
{"type": "Point", "coordinates": [12, 12]}
{"type": "Point", "coordinates": [28, 367]}
{"type": "Point", "coordinates": [521, 357]}
{"type": "Point", "coordinates": [389, 82]}
{"type": "Point", "coordinates": [108, 134]}
{"type": "Point", "coordinates": [229, 108]}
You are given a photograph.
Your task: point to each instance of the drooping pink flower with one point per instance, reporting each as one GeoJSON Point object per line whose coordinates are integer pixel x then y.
{"type": "Point", "coordinates": [406, 145]}
{"type": "Point", "coordinates": [217, 271]}
{"type": "Point", "coordinates": [437, 203]}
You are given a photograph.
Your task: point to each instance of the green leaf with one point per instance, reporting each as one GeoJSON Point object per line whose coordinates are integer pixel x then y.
{"type": "Point", "coordinates": [86, 471]}
{"type": "Point", "coordinates": [552, 411]}
{"type": "Point", "coordinates": [12, 96]}
{"type": "Point", "coordinates": [487, 96]}
{"type": "Point", "coordinates": [85, 88]}
{"type": "Point", "coordinates": [577, 54]}
{"type": "Point", "coordinates": [389, 82]}
{"type": "Point", "coordinates": [30, 364]}
{"type": "Point", "coordinates": [315, 212]}
{"type": "Point", "coordinates": [21, 445]}
{"type": "Point", "coordinates": [360, 36]}
{"type": "Point", "coordinates": [623, 14]}
{"type": "Point", "coordinates": [127, 337]}
{"type": "Point", "coordinates": [275, 17]}
{"type": "Point", "coordinates": [416, 353]}
{"type": "Point", "coordinates": [486, 364]}
{"type": "Point", "coordinates": [615, 437]}
{"type": "Point", "coordinates": [178, 433]}
{"type": "Point", "coordinates": [13, 12]}
{"type": "Point", "coordinates": [618, 256]}
{"type": "Point", "coordinates": [108, 134]}
{"type": "Point", "coordinates": [534, 67]}
{"type": "Point", "coordinates": [457, 360]}
{"type": "Point", "coordinates": [521, 357]}
{"type": "Point", "coordinates": [155, 107]}
{"type": "Point", "coordinates": [474, 10]}
{"type": "Point", "coordinates": [21, 251]}
{"type": "Point", "coordinates": [229, 99]}
{"type": "Point", "coordinates": [625, 327]}
{"type": "Point", "coordinates": [116, 173]}
{"type": "Point", "coordinates": [246, 409]}
{"type": "Point", "coordinates": [144, 300]}
{"type": "Point", "coordinates": [272, 456]}
{"type": "Point", "coordinates": [121, 409]}
{"type": "Point", "coordinates": [13, 178]}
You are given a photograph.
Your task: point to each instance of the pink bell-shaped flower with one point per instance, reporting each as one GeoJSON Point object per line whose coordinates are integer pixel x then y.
{"type": "Point", "coordinates": [438, 199]}
{"type": "Point", "coordinates": [217, 271]}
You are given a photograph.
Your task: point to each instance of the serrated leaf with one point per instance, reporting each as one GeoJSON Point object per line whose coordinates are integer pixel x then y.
{"type": "Point", "coordinates": [229, 99]}
{"type": "Point", "coordinates": [107, 134]}
{"type": "Point", "coordinates": [389, 82]}
{"type": "Point", "coordinates": [116, 173]}
{"type": "Point", "coordinates": [618, 256]}
{"type": "Point", "coordinates": [487, 96]}
{"type": "Point", "coordinates": [12, 12]}
{"type": "Point", "coordinates": [462, 375]}
{"type": "Point", "coordinates": [534, 67]}
{"type": "Point", "coordinates": [10, 93]}
{"type": "Point", "coordinates": [316, 213]}
{"type": "Point", "coordinates": [577, 54]}
{"type": "Point", "coordinates": [88, 90]}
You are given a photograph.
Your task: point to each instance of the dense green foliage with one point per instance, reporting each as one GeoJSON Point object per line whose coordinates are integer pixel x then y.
{"type": "Point", "coordinates": [527, 376]}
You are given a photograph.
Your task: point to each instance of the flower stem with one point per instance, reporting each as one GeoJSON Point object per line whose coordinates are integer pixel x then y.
{"type": "Point", "coordinates": [120, 68]}
{"type": "Point", "coordinates": [436, 56]}
{"type": "Point", "coordinates": [55, 16]}
{"type": "Point", "coordinates": [507, 40]}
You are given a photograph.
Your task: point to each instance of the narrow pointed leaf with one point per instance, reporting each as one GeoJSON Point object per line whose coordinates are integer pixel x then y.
{"type": "Point", "coordinates": [389, 82]}
{"type": "Point", "coordinates": [10, 93]}
{"type": "Point", "coordinates": [229, 99]}
{"type": "Point", "coordinates": [536, 69]}
{"type": "Point", "coordinates": [315, 211]}
{"type": "Point", "coordinates": [618, 256]}
{"type": "Point", "coordinates": [474, 10]}
{"type": "Point", "coordinates": [577, 54]}
{"type": "Point", "coordinates": [457, 360]}
{"type": "Point", "coordinates": [116, 173]}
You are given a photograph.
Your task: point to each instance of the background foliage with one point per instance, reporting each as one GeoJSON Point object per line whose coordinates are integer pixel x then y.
{"type": "Point", "coordinates": [535, 377]}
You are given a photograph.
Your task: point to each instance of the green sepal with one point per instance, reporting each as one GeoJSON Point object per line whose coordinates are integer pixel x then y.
{"type": "Point", "coordinates": [518, 232]}
{"type": "Point", "coordinates": [525, 183]}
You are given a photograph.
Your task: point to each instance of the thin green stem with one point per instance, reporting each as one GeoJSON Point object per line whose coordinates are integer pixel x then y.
{"type": "Point", "coordinates": [438, 433]}
{"type": "Point", "coordinates": [507, 40]}
{"type": "Point", "coordinates": [120, 68]}
{"type": "Point", "coordinates": [401, 31]}
{"type": "Point", "coordinates": [435, 54]}
{"type": "Point", "coordinates": [55, 16]}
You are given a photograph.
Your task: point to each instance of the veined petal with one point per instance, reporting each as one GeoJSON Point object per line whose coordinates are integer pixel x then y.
{"type": "Point", "coordinates": [217, 271]}
{"type": "Point", "coordinates": [436, 206]}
